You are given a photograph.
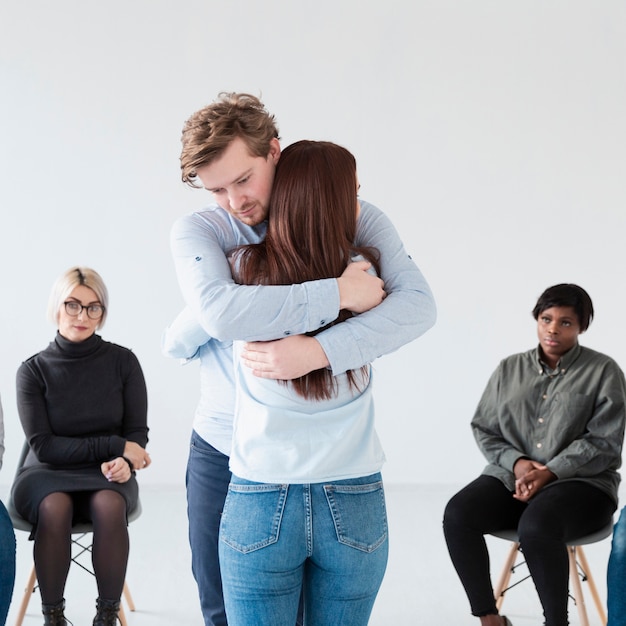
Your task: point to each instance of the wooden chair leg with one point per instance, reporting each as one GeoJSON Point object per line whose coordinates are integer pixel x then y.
{"type": "Point", "coordinates": [122, 616]}
{"type": "Point", "coordinates": [576, 586]}
{"type": "Point", "coordinates": [500, 588]}
{"type": "Point", "coordinates": [582, 559]}
{"type": "Point", "coordinates": [129, 601]}
{"type": "Point", "coordinates": [128, 597]}
{"type": "Point", "coordinates": [28, 592]}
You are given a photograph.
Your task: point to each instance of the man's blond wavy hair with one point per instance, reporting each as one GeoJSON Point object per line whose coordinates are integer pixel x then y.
{"type": "Point", "coordinates": [209, 131]}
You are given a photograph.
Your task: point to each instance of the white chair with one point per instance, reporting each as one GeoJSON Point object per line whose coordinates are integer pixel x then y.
{"type": "Point", "coordinates": [579, 571]}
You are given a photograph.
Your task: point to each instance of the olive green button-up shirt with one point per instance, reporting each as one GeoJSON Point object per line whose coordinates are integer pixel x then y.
{"type": "Point", "coordinates": [570, 418]}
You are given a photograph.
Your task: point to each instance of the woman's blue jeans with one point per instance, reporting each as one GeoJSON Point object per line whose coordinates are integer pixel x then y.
{"type": "Point", "coordinates": [7, 562]}
{"type": "Point", "coordinates": [616, 576]}
{"type": "Point", "coordinates": [328, 540]}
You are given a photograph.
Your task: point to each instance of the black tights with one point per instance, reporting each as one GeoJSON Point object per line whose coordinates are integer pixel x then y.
{"type": "Point", "coordinates": [107, 511]}
{"type": "Point", "coordinates": [559, 513]}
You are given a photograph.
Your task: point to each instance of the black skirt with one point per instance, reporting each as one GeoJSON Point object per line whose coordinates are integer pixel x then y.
{"type": "Point", "coordinates": [35, 482]}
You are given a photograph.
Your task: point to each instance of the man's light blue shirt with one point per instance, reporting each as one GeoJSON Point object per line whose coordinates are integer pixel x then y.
{"type": "Point", "coordinates": [220, 311]}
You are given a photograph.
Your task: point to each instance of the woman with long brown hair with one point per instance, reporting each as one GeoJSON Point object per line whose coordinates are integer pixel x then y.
{"type": "Point", "coordinates": [305, 510]}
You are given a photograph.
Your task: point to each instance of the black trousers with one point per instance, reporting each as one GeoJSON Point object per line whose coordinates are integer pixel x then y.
{"type": "Point", "coordinates": [560, 512]}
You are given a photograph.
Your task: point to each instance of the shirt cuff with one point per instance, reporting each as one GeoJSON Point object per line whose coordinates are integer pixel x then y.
{"type": "Point", "coordinates": [322, 302]}
{"type": "Point", "coordinates": [510, 457]}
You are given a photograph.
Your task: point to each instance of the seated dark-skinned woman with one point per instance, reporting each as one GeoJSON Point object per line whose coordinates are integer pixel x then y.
{"type": "Point", "coordinates": [551, 425]}
{"type": "Point", "coordinates": [83, 406]}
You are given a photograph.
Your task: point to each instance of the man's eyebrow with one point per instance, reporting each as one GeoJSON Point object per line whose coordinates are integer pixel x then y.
{"type": "Point", "coordinates": [234, 180]}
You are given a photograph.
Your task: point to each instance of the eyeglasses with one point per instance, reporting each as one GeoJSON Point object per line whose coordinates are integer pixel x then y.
{"type": "Point", "coordinates": [73, 309]}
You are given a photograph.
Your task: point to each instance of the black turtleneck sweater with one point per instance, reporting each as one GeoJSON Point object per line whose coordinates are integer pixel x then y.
{"type": "Point", "coordinates": [80, 402]}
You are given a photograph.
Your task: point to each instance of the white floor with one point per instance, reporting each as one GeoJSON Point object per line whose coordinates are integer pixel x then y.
{"type": "Point", "coordinates": [420, 587]}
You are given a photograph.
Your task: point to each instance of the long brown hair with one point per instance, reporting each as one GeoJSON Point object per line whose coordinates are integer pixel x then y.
{"type": "Point", "coordinates": [310, 234]}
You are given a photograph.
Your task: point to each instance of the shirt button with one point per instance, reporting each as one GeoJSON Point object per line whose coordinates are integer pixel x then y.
{"type": "Point", "coordinates": [545, 396]}
{"type": "Point", "coordinates": [322, 322]}
{"type": "Point", "coordinates": [540, 420]}
{"type": "Point", "coordinates": [287, 332]}
{"type": "Point", "coordinates": [539, 445]}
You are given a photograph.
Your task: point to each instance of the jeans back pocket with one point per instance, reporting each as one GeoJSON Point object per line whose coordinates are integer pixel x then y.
{"type": "Point", "coordinates": [252, 516]}
{"type": "Point", "coordinates": [359, 514]}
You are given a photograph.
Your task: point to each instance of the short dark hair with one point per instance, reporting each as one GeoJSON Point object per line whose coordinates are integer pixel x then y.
{"type": "Point", "coordinates": [567, 294]}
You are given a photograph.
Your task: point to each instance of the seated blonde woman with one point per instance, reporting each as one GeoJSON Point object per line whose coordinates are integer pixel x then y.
{"type": "Point", "coordinates": [83, 406]}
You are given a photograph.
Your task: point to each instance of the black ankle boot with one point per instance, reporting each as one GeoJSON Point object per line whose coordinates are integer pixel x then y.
{"type": "Point", "coordinates": [106, 612]}
{"type": "Point", "coordinates": [53, 614]}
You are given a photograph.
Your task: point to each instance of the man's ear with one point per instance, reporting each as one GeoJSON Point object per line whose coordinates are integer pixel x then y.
{"type": "Point", "coordinates": [274, 152]}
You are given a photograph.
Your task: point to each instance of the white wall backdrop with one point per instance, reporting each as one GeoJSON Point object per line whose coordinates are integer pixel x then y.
{"type": "Point", "coordinates": [492, 132]}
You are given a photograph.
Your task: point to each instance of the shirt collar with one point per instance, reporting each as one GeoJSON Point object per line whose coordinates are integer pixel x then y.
{"type": "Point", "coordinates": [565, 362]}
